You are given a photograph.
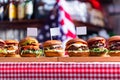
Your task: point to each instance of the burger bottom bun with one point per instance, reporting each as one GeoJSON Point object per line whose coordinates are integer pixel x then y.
{"type": "Point", "coordinates": [28, 55]}
{"type": "Point", "coordinates": [78, 54]}
{"type": "Point", "coordinates": [12, 55]}
{"type": "Point", "coordinates": [54, 54]}
{"type": "Point", "coordinates": [98, 54]}
{"type": "Point", "coordinates": [2, 55]}
{"type": "Point", "coordinates": [114, 54]}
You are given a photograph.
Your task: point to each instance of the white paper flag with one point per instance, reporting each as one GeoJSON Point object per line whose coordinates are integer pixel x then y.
{"type": "Point", "coordinates": [32, 32]}
{"type": "Point", "coordinates": [55, 31]}
{"type": "Point", "coordinates": [82, 30]}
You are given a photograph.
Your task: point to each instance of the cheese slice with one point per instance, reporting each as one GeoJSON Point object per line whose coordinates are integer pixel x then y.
{"type": "Point", "coordinates": [53, 50]}
{"type": "Point", "coordinates": [77, 51]}
{"type": "Point", "coordinates": [10, 51]}
{"type": "Point", "coordinates": [77, 45]}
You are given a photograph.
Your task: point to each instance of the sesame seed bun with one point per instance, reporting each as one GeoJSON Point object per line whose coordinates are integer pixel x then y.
{"type": "Point", "coordinates": [95, 39]}
{"type": "Point", "coordinates": [76, 40]}
{"type": "Point", "coordinates": [51, 42]}
{"type": "Point", "coordinates": [114, 38]}
{"type": "Point", "coordinates": [28, 41]}
{"type": "Point", "coordinates": [2, 41]}
{"type": "Point", "coordinates": [11, 42]}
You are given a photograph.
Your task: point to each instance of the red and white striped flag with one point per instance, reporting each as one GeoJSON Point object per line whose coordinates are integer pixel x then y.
{"type": "Point", "coordinates": [60, 18]}
{"type": "Point", "coordinates": [65, 22]}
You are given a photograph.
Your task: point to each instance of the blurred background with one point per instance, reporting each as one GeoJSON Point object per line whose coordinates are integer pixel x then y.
{"type": "Point", "coordinates": [101, 17]}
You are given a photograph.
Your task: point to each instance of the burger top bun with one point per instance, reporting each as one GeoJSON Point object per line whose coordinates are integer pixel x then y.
{"type": "Point", "coordinates": [11, 41]}
{"type": "Point", "coordinates": [2, 41]}
{"type": "Point", "coordinates": [51, 42]}
{"type": "Point", "coordinates": [96, 38]}
{"type": "Point", "coordinates": [76, 40]}
{"type": "Point", "coordinates": [28, 41]}
{"type": "Point", "coordinates": [114, 38]}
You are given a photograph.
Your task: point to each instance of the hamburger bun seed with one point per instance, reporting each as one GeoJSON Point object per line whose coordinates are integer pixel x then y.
{"type": "Point", "coordinates": [2, 41]}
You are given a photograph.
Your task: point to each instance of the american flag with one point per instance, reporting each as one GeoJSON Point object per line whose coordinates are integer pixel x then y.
{"type": "Point", "coordinates": [59, 17]}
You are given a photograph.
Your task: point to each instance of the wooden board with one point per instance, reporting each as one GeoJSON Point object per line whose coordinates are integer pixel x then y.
{"type": "Point", "coordinates": [89, 59]}
{"type": "Point", "coordinates": [60, 59]}
{"type": "Point", "coordinates": [28, 59]}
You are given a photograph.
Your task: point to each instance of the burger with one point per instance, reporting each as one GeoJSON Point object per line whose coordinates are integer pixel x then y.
{"type": "Point", "coordinates": [3, 51]}
{"type": "Point", "coordinates": [53, 48]}
{"type": "Point", "coordinates": [77, 48]}
{"type": "Point", "coordinates": [12, 48]}
{"type": "Point", "coordinates": [97, 46]}
{"type": "Point", "coordinates": [114, 46]}
{"type": "Point", "coordinates": [29, 47]}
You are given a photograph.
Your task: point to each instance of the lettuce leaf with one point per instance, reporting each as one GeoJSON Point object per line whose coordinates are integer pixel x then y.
{"type": "Point", "coordinates": [114, 50]}
{"type": "Point", "coordinates": [99, 50]}
{"type": "Point", "coordinates": [3, 51]}
{"type": "Point", "coordinates": [37, 52]}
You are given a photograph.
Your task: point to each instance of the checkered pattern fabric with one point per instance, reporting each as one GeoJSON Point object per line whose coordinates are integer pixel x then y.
{"type": "Point", "coordinates": [59, 71]}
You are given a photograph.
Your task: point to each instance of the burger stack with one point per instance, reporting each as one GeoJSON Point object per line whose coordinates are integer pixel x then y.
{"type": "Point", "coordinates": [53, 48]}
{"type": "Point", "coordinates": [3, 51]}
{"type": "Point", "coordinates": [11, 48]}
{"type": "Point", "coordinates": [114, 46]}
{"type": "Point", "coordinates": [94, 47]}
{"type": "Point", "coordinates": [30, 47]}
{"type": "Point", "coordinates": [77, 48]}
{"type": "Point", "coordinates": [97, 46]}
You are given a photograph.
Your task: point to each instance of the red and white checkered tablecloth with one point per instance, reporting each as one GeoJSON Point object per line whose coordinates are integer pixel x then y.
{"type": "Point", "coordinates": [59, 71]}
